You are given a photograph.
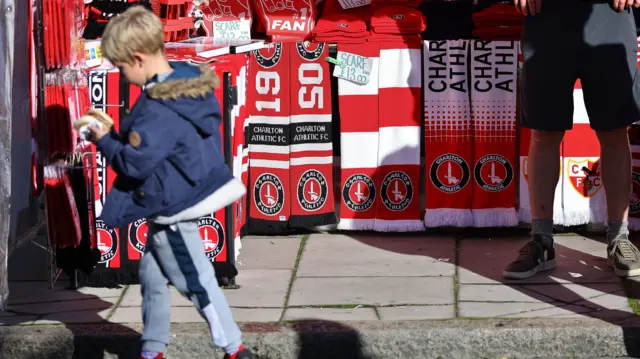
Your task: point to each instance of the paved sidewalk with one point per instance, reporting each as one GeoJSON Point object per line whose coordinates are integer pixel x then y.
{"type": "Point", "coordinates": [373, 279]}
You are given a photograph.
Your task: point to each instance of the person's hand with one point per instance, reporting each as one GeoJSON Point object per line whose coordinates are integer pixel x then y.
{"type": "Point", "coordinates": [532, 7]}
{"type": "Point", "coordinates": [620, 5]}
{"type": "Point", "coordinates": [97, 132]}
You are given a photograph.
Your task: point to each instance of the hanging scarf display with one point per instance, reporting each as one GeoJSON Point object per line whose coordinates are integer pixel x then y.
{"type": "Point", "coordinates": [114, 265]}
{"type": "Point", "coordinates": [311, 163]}
{"type": "Point", "coordinates": [493, 114]}
{"type": "Point", "coordinates": [399, 129]}
{"type": "Point", "coordinates": [447, 138]}
{"type": "Point", "coordinates": [359, 124]}
{"type": "Point", "coordinates": [269, 139]}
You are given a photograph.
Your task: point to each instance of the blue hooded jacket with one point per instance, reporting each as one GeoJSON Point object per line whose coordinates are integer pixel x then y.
{"type": "Point", "coordinates": [168, 155]}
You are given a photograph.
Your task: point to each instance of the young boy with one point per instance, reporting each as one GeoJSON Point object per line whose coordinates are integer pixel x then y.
{"type": "Point", "coordinates": [168, 157]}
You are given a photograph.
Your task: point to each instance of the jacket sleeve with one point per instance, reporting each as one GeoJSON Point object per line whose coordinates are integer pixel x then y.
{"type": "Point", "coordinates": [155, 138]}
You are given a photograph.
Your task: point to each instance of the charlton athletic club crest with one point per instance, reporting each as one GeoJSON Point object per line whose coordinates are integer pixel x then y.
{"type": "Point", "coordinates": [107, 241]}
{"type": "Point", "coordinates": [585, 177]}
{"type": "Point", "coordinates": [212, 235]}
{"type": "Point", "coordinates": [269, 56]}
{"type": "Point", "coordinates": [493, 173]}
{"type": "Point", "coordinates": [449, 173]}
{"type": "Point", "coordinates": [634, 199]}
{"type": "Point", "coordinates": [396, 191]}
{"type": "Point", "coordinates": [359, 192]}
{"type": "Point", "coordinates": [268, 194]}
{"type": "Point", "coordinates": [312, 190]}
{"type": "Point", "coordinates": [138, 234]}
{"type": "Point", "coordinates": [310, 51]}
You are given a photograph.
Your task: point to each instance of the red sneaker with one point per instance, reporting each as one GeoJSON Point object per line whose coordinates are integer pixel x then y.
{"type": "Point", "coordinates": [242, 353]}
{"type": "Point", "coordinates": [148, 356]}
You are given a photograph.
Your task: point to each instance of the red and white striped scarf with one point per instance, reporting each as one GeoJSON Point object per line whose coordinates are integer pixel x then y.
{"type": "Point", "coordinates": [359, 144]}
{"type": "Point", "coordinates": [399, 121]}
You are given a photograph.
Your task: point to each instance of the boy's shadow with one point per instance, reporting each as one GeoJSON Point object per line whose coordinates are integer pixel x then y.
{"type": "Point", "coordinates": [323, 339]}
{"type": "Point", "coordinates": [32, 302]}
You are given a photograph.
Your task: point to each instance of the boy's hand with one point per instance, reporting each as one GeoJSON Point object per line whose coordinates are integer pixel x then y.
{"type": "Point", "coordinates": [97, 132]}
{"type": "Point", "coordinates": [620, 5]}
{"type": "Point", "coordinates": [529, 7]}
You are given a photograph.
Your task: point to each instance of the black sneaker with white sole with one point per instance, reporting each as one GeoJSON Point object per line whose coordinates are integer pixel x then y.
{"type": "Point", "coordinates": [623, 257]}
{"type": "Point", "coordinates": [533, 257]}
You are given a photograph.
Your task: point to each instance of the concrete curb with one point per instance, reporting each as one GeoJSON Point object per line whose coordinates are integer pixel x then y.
{"type": "Point", "coordinates": [543, 338]}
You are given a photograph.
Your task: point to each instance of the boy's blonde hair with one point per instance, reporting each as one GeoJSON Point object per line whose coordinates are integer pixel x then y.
{"type": "Point", "coordinates": [135, 30]}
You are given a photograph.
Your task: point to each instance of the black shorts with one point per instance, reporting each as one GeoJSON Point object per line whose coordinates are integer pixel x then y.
{"type": "Point", "coordinates": [574, 39]}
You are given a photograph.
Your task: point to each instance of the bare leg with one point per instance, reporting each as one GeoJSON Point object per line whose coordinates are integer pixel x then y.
{"type": "Point", "coordinates": [615, 155]}
{"type": "Point", "coordinates": [543, 170]}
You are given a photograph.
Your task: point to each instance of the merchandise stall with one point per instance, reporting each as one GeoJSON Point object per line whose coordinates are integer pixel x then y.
{"type": "Point", "coordinates": [391, 116]}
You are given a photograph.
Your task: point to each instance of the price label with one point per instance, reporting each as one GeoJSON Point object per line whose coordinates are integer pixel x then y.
{"type": "Point", "coordinates": [352, 67]}
{"type": "Point", "coordinates": [350, 4]}
{"type": "Point", "coordinates": [231, 31]}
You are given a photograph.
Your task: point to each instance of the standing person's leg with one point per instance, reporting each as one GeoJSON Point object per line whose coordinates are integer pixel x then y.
{"type": "Point", "coordinates": [546, 99]}
{"type": "Point", "coordinates": [611, 89]}
{"type": "Point", "coordinates": [156, 304]}
{"type": "Point", "coordinates": [180, 253]}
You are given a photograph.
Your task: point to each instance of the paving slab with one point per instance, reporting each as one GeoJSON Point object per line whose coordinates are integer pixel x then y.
{"type": "Point", "coordinates": [499, 293]}
{"type": "Point", "coordinates": [133, 297]}
{"type": "Point", "coordinates": [482, 261]}
{"type": "Point", "coordinates": [76, 317]}
{"type": "Point", "coordinates": [374, 291]}
{"type": "Point", "coordinates": [417, 312]}
{"type": "Point", "coordinates": [27, 292]}
{"type": "Point", "coordinates": [361, 255]}
{"type": "Point", "coordinates": [191, 315]}
{"type": "Point", "coordinates": [260, 252]}
{"type": "Point", "coordinates": [518, 310]}
{"type": "Point", "coordinates": [258, 288]}
{"type": "Point", "coordinates": [332, 314]}
{"type": "Point", "coordinates": [94, 304]}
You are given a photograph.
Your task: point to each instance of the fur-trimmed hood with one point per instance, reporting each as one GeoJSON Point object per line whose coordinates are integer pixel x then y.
{"type": "Point", "coordinates": [189, 91]}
